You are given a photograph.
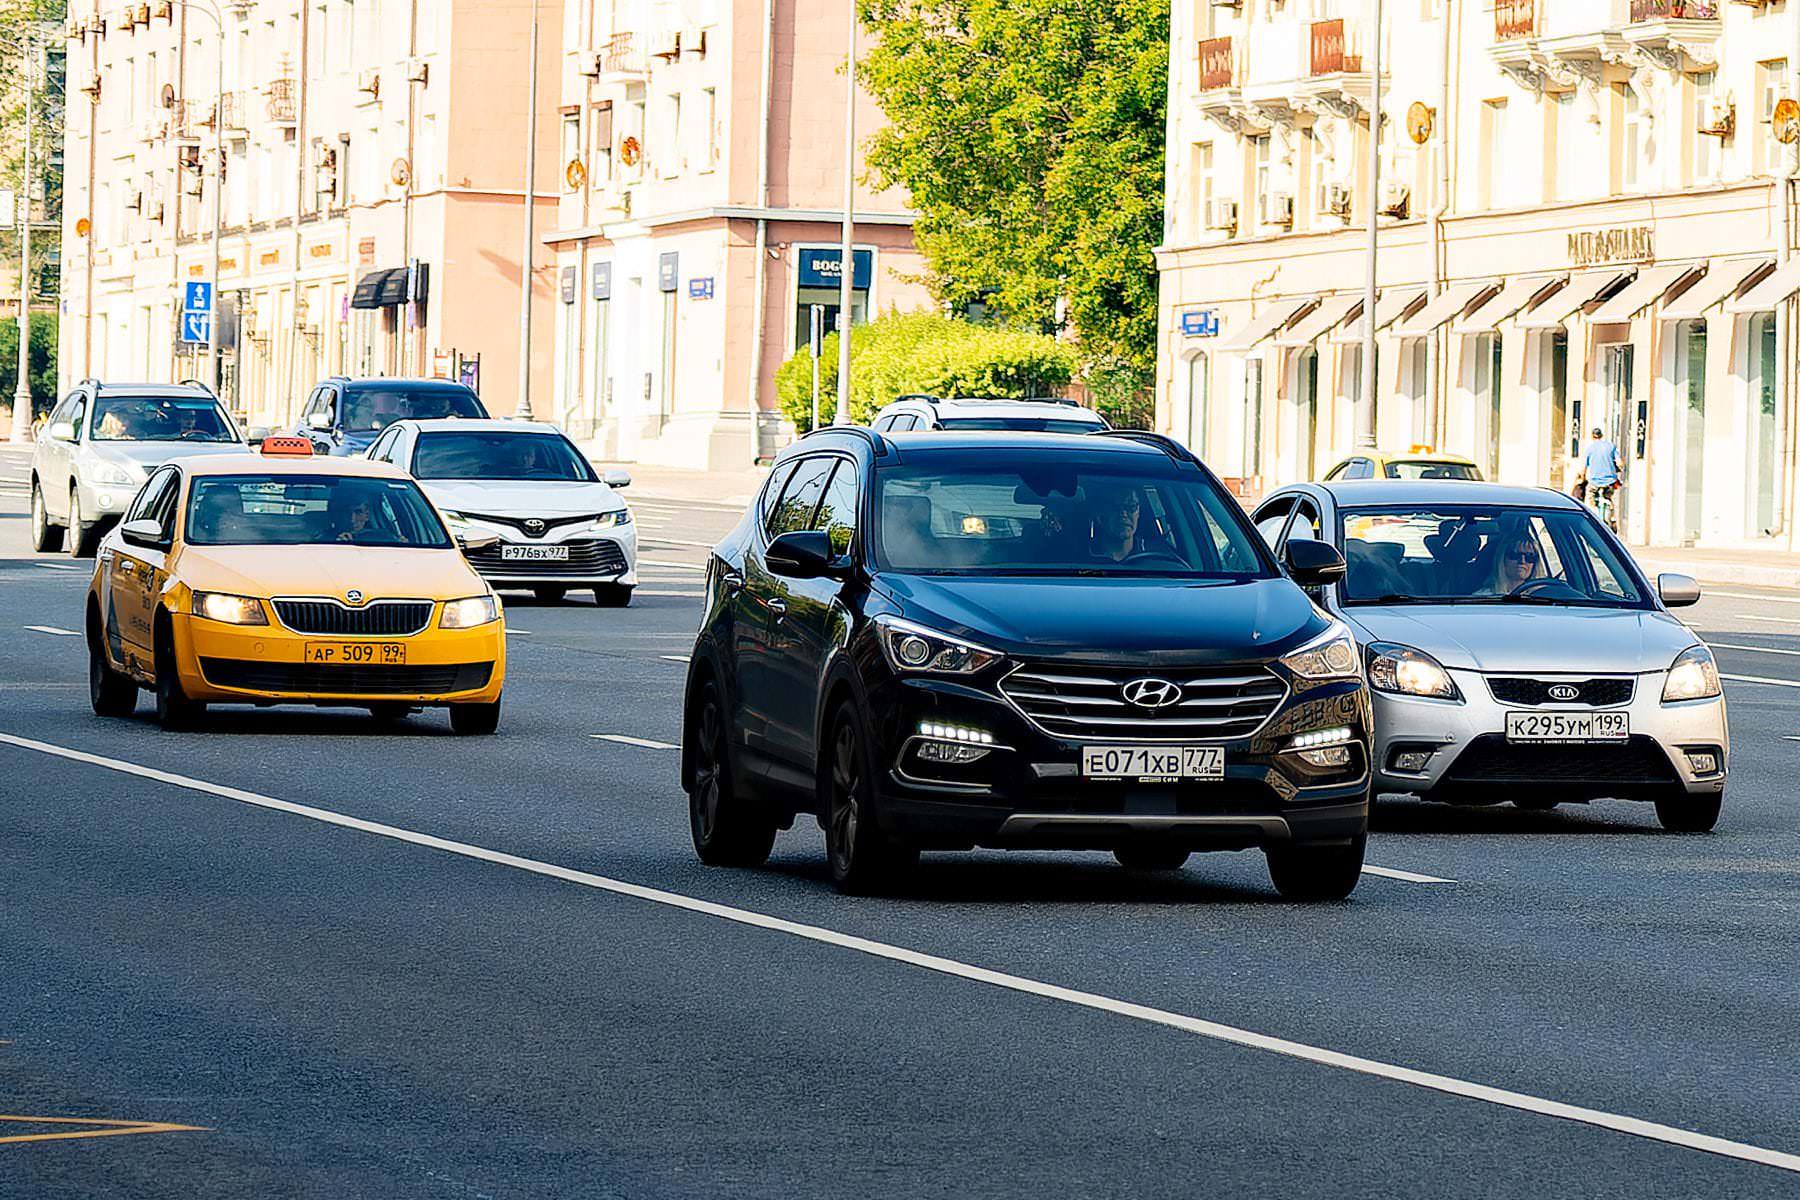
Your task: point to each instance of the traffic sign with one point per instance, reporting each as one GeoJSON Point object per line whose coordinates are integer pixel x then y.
{"type": "Point", "coordinates": [196, 297]}
{"type": "Point", "coordinates": [196, 327]}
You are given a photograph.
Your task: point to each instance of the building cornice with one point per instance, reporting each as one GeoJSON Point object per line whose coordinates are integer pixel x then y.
{"type": "Point", "coordinates": [728, 212]}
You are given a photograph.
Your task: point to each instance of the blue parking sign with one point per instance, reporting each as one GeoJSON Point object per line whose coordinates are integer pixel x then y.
{"type": "Point", "coordinates": [196, 327]}
{"type": "Point", "coordinates": [196, 297]}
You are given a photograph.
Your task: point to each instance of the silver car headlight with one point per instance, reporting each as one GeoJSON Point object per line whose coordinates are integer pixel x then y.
{"type": "Point", "coordinates": [1331, 655]}
{"type": "Point", "coordinates": [1403, 671]}
{"type": "Point", "coordinates": [1692, 676]}
{"type": "Point", "coordinates": [911, 648]}
{"type": "Point", "coordinates": [232, 610]}
{"type": "Point", "coordinates": [469, 612]}
{"type": "Point", "coordinates": [111, 473]}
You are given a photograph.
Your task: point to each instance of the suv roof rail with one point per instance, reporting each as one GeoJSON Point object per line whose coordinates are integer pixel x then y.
{"type": "Point", "coordinates": [1162, 441]}
{"type": "Point", "coordinates": [1063, 400]}
{"type": "Point", "coordinates": [93, 379]}
{"type": "Point", "coordinates": [923, 397]}
{"type": "Point", "coordinates": [878, 445]}
{"type": "Point", "coordinates": [201, 384]}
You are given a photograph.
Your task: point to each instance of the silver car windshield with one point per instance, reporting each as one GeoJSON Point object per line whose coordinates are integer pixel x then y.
{"type": "Point", "coordinates": [161, 419]}
{"type": "Point", "coordinates": [1483, 554]}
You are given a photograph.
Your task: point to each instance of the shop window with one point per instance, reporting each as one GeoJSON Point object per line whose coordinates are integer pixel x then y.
{"type": "Point", "coordinates": [1253, 416]}
{"type": "Point", "coordinates": [1760, 425]}
{"type": "Point", "coordinates": [1418, 388]}
{"type": "Point", "coordinates": [1306, 414]}
{"type": "Point", "coordinates": [1690, 426]}
{"type": "Point", "coordinates": [1488, 351]}
{"type": "Point", "coordinates": [1199, 409]}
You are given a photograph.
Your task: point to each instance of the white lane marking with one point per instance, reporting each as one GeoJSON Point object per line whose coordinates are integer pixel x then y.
{"type": "Point", "coordinates": [679, 566]}
{"type": "Point", "coordinates": [1406, 876]}
{"type": "Point", "coordinates": [1754, 596]}
{"type": "Point", "coordinates": [1759, 617]}
{"type": "Point", "coordinates": [1446, 1084]}
{"type": "Point", "coordinates": [1760, 679]}
{"type": "Point", "coordinates": [1758, 649]}
{"type": "Point", "coordinates": [647, 592]}
{"type": "Point", "coordinates": [680, 658]}
{"type": "Point", "coordinates": [520, 632]}
{"type": "Point", "coordinates": [51, 629]}
{"type": "Point", "coordinates": [663, 541]}
{"type": "Point", "coordinates": [1788, 737]}
{"type": "Point", "coordinates": [627, 740]}
{"type": "Point", "coordinates": [58, 566]}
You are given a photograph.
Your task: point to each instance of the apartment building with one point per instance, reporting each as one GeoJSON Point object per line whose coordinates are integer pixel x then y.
{"type": "Point", "coordinates": [358, 165]}
{"type": "Point", "coordinates": [1585, 220]}
{"type": "Point", "coordinates": [701, 168]}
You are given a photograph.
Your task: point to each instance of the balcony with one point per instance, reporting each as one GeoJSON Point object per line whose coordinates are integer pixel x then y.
{"type": "Point", "coordinates": [283, 97]}
{"type": "Point", "coordinates": [1515, 20]}
{"type": "Point", "coordinates": [1335, 81]}
{"type": "Point", "coordinates": [1677, 35]}
{"type": "Point", "coordinates": [621, 60]}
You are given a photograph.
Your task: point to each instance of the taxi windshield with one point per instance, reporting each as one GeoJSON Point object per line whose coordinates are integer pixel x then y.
{"type": "Point", "coordinates": [309, 510]}
{"type": "Point", "coordinates": [1423, 468]}
{"type": "Point", "coordinates": [161, 419]}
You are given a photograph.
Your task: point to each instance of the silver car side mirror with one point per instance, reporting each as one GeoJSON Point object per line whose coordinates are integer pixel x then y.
{"type": "Point", "coordinates": [1677, 591]}
{"type": "Point", "coordinates": [61, 431]}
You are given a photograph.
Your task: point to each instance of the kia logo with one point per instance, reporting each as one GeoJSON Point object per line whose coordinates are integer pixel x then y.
{"type": "Point", "coordinates": [533, 526]}
{"type": "Point", "coordinates": [1152, 693]}
{"type": "Point", "coordinates": [1564, 691]}
{"type": "Point", "coordinates": [353, 596]}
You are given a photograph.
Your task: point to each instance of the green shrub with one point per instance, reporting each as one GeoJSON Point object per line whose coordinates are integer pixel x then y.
{"type": "Point", "coordinates": [43, 362]}
{"type": "Point", "coordinates": [923, 352]}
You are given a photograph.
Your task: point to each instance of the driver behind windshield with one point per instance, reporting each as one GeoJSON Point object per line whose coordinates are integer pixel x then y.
{"type": "Point", "coordinates": [1517, 561]}
{"type": "Point", "coordinates": [1114, 510]}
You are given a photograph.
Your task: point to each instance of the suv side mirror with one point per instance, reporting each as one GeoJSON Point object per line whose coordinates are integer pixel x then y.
{"type": "Point", "coordinates": [803, 554]}
{"type": "Point", "coordinates": [319, 420]}
{"type": "Point", "coordinates": [1677, 591]}
{"type": "Point", "coordinates": [1312, 563]}
{"type": "Point", "coordinates": [143, 532]}
{"type": "Point", "coordinates": [61, 431]}
{"type": "Point", "coordinates": [616, 479]}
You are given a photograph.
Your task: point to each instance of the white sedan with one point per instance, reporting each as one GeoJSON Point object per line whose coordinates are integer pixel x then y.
{"type": "Point", "coordinates": [558, 524]}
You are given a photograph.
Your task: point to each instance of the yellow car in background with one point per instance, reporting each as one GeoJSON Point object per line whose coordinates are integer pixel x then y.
{"type": "Point", "coordinates": [281, 578]}
{"type": "Point", "coordinates": [1420, 462]}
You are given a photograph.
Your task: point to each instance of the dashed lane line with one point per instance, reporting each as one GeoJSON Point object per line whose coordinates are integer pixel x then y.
{"type": "Point", "coordinates": [1199, 1026]}
{"type": "Point", "coordinates": [663, 541]}
{"type": "Point", "coordinates": [1771, 620]}
{"type": "Point", "coordinates": [1788, 683]}
{"type": "Point", "coordinates": [1757, 649]}
{"type": "Point", "coordinates": [1403, 876]}
{"type": "Point", "coordinates": [625, 739]}
{"type": "Point", "coordinates": [687, 595]}
{"type": "Point", "coordinates": [680, 658]}
{"type": "Point", "coordinates": [1754, 596]}
{"type": "Point", "coordinates": [679, 566]}
{"type": "Point", "coordinates": [58, 566]}
{"type": "Point", "coordinates": [53, 630]}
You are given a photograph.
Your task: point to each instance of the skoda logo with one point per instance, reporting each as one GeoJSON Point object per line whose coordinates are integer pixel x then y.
{"type": "Point", "coordinates": [353, 596]}
{"type": "Point", "coordinates": [1152, 693]}
{"type": "Point", "coordinates": [534, 526]}
{"type": "Point", "coordinates": [1564, 691]}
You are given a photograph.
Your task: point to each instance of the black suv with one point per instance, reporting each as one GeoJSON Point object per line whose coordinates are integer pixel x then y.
{"type": "Point", "coordinates": [344, 416]}
{"type": "Point", "coordinates": [941, 641]}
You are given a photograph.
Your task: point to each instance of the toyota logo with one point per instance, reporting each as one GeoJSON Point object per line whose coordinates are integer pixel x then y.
{"type": "Point", "coordinates": [353, 596]}
{"type": "Point", "coordinates": [1152, 693]}
{"type": "Point", "coordinates": [1564, 691]}
{"type": "Point", "coordinates": [534, 526]}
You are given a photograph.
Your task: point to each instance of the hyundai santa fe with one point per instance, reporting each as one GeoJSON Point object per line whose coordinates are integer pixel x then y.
{"type": "Point", "coordinates": [944, 641]}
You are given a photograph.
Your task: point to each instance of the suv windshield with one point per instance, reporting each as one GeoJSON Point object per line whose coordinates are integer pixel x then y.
{"type": "Point", "coordinates": [161, 419]}
{"type": "Point", "coordinates": [499, 456]}
{"type": "Point", "coordinates": [370, 409]}
{"type": "Point", "coordinates": [1022, 424]}
{"type": "Point", "coordinates": [1046, 515]}
{"type": "Point", "coordinates": [1482, 554]}
{"type": "Point", "coordinates": [304, 510]}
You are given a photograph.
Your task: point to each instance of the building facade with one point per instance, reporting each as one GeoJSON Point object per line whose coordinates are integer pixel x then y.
{"type": "Point", "coordinates": [371, 214]}
{"type": "Point", "coordinates": [701, 167]}
{"type": "Point", "coordinates": [1586, 220]}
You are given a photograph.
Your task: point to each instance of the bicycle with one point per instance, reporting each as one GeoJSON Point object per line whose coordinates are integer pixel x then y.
{"type": "Point", "coordinates": [1603, 499]}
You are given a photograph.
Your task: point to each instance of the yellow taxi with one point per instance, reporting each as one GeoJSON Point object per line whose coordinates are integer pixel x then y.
{"type": "Point", "coordinates": [281, 578]}
{"type": "Point", "coordinates": [1420, 462]}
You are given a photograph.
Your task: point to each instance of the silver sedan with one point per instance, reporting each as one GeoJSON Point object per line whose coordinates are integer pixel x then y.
{"type": "Point", "coordinates": [1515, 651]}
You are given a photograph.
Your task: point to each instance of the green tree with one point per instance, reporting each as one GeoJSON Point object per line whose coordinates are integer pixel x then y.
{"type": "Point", "coordinates": [924, 352]}
{"type": "Point", "coordinates": [43, 363]}
{"type": "Point", "coordinates": [1029, 135]}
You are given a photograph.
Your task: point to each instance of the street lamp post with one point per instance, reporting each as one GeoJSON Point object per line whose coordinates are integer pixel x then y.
{"type": "Point", "coordinates": [526, 256]}
{"type": "Point", "coordinates": [846, 252]}
{"type": "Point", "coordinates": [21, 422]}
{"type": "Point", "coordinates": [214, 368]}
{"type": "Point", "coordinates": [1365, 403]}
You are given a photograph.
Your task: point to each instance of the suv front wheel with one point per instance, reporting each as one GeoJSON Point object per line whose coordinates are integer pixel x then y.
{"type": "Point", "coordinates": [728, 830]}
{"type": "Point", "coordinates": [1316, 872]}
{"type": "Point", "coordinates": [863, 858]}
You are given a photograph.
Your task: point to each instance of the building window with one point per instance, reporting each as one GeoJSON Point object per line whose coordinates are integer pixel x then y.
{"type": "Point", "coordinates": [1418, 378]}
{"type": "Point", "coordinates": [1770, 87]}
{"type": "Point", "coordinates": [709, 128]}
{"type": "Point", "coordinates": [571, 147]}
{"type": "Point", "coordinates": [1494, 190]}
{"type": "Point", "coordinates": [1569, 148]}
{"type": "Point", "coordinates": [1706, 146]}
{"type": "Point", "coordinates": [1253, 416]}
{"type": "Point", "coordinates": [1631, 139]}
{"type": "Point", "coordinates": [1200, 180]}
{"type": "Point", "coordinates": [671, 159]}
{"type": "Point", "coordinates": [1261, 165]}
{"type": "Point", "coordinates": [600, 143]}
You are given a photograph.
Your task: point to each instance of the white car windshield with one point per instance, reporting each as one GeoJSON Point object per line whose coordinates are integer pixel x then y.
{"type": "Point", "coordinates": [1483, 554]}
{"type": "Point", "coordinates": [485, 455]}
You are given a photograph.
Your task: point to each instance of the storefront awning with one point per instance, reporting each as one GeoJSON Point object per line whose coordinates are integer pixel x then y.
{"type": "Point", "coordinates": [1328, 316]}
{"type": "Point", "coordinates": [380, 289]}
{"type": "Point", "coordinates": [1784, 282]}
{"type": "Point", "coordinates": [1449, 303]}
{"type": "Point", "coordinates": [1508, 300]}
{"type": "Point", "coordinates": [1650, 286]}
{"type": "Point", "coordinates": [1720, 281]}
{"type": "Point", "coordinates": [1390, 306]}
{"type": "Point", "coordinates": [1579, 290]}
{"type": "Point", "coordinates": [1275, 316]}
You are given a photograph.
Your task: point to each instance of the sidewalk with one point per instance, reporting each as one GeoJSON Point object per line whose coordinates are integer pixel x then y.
{"type": "Point", "coordinates": [1742, 568]}
{"type": "Point", "coordinates": [735, 487]}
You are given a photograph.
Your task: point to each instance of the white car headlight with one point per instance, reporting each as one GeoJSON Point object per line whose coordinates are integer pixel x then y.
{"type": "Point", "coordinates": [1331, 655]}
{"type": "Point", "coordinates": [609, 520]}
{"type": "Point", "coordinates": [1692, 676]}
{"type": "Point", "coordinates": [911, 647]}
{"type": "Point", "coordinates": [469, 612]}
{"type": "Point", "coordinates": [112, 473]}
{"type": "Point", "coordinates": [232, 610]}
{"type": "Point", "coordinates": [1404, 671]}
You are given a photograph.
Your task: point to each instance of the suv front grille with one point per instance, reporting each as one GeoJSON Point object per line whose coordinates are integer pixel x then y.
{"type": "Point", "coordinates": [1594, 693]}
{"type": "Point", "coordinates": [1073, 701]}
{"type": "Point", "coordinates": [377, 618]}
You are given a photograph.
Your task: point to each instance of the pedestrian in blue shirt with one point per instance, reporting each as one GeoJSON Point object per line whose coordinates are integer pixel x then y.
{"type": "Point", "coordinates": [1600, 475]}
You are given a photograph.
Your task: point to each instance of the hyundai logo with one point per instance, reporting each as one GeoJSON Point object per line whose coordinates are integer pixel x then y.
{"type": "Point", "coordinates": [353, 596]}
{"type": "Point", "coordinates": [1152, 693]}
{"type": "Point", "coordinates": [534, 526]}
{"type": "Point", "coordinates": [1564, 691]}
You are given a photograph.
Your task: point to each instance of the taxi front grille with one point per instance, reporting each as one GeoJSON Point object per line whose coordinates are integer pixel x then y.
{"type": "Point", "coordinates": [378, 618]}
{"type": "Point", "coordinates": [362, 679]}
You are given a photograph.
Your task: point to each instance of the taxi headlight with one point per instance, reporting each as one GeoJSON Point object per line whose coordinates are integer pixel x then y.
{"type": "Point", "coordinates": [232, 610]}
{"type": "Point", "coordinates": [1331, 655]}
{"type": "Point", "coordinates": [469, 612]}
{"type": "Point", "coordinates": [911, 647]}
{"type": "Point", "coordinates": [112, 473]}
{"type": "Point", "coordinates": [1692, 676]}
{"type": "Point", "coordinates": [1403, 671]}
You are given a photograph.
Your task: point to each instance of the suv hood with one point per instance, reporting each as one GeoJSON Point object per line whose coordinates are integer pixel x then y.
{"type": "Point", "coordinates": [330, 570]}
{"type": "Point", "coordinates": [147, 456]}
{"type": "Point", "coordinates": [1618, 641]}
{"type": "Point", "coordinates": [525, 498]}
{"type": "Point", "coordinates": [1114, 619]}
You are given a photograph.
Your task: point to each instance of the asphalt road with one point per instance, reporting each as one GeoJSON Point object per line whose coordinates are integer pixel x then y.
{"type": "Point", "coordinates": [357, 962]}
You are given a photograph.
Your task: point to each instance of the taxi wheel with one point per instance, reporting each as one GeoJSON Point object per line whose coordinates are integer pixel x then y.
{"type": "Point", "coordinates": [475, 719]}
{"type": "Point", "coordinates": [728, 829]}
{"type": "Point", "coordinates": [612, 595]}
{"type": "Point", "coordinates": [549, 593]}
{"type": "Point", "coordinates": [173, 708]}
{"type": "Point", "coordinates": [1151, 858]}
{"type": "Point", "coordinates": [1682, 813]}
{"type": "Point", "coordinates": [112, 694]}
{"type": "Point", "coordinates": [45, 537]}
{"type": "Point", "coordinates": [1316, 872]}
{"type": "Point", "coordinates": [81, 537]}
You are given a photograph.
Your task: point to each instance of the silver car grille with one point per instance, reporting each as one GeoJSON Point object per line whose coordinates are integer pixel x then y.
{"type": "Point", "coordinates": [1088, 702]}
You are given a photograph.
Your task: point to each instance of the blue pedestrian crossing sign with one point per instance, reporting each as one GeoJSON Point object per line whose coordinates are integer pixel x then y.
{"type": "Point", "coordinates": [196, 327]}
{"type": "Point", "coordinates": [196, 297]}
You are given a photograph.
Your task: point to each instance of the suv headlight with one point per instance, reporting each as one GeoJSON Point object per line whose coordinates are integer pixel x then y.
{"type": "Point", "coordinates": [1403, 671]}
{"type": "Point", "coordinates": [469, 612]}
{"type": "Point", "coordinates": [232, 610]}
{"type": "Point", "coordinates": [1331, 655]}
{"type": "Point", "coordinates": [911, 647]}
{"type": "Point", "coordinates": [112, 473]}
{"type": "Point", "coordinates": [1692, 676]}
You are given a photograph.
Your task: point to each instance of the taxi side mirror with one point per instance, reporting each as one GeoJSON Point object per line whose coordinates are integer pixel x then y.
{"type": "Point", "coordinates": [470, 543]}
{"type": "Point", "coordinates": [145, 533]}
{"type": "Point", "coordinates": [257, 434]}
